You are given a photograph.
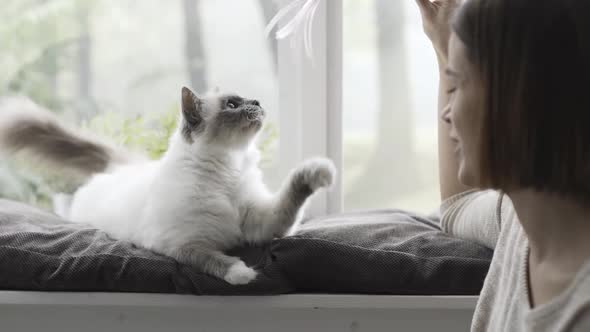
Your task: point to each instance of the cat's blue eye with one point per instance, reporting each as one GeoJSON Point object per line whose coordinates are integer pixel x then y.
{"type": "Point", "coordinates": [231, 104]}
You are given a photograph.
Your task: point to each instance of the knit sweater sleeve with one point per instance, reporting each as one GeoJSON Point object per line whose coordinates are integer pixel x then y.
{"type": "Point", "coordinates": [474, 215]}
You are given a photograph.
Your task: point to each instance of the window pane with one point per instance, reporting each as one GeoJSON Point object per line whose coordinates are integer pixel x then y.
{"type": "Point", "coordinates": [390, 96]}
{"type": "Point", "coordinates": [117, 66]}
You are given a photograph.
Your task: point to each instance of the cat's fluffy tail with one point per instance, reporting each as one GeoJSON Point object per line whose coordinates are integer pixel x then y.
{"type": "Point", "coordinates": [27, 127]}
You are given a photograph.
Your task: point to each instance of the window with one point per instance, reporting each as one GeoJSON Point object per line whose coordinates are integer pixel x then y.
{"type": "Point", "coordinates": [117, 66]}
{"type": "Point", "coordinates": [389, 108]}
{"type": "Point", "coordinates": [367, 99]}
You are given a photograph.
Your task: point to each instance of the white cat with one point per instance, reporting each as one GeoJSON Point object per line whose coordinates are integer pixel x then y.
{"type": "Point", "coordinates": [204, 196]}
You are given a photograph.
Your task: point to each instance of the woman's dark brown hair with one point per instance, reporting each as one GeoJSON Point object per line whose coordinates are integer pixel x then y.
{"type": "Point", "coordinates": [534, 57]}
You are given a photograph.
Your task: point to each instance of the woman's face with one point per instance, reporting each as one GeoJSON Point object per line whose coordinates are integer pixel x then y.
{"type": "Point", "coordinates": [465, 111]}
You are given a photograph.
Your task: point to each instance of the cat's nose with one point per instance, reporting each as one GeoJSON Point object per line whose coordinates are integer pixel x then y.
{"type": "Point", "coordinates": [255, 103]}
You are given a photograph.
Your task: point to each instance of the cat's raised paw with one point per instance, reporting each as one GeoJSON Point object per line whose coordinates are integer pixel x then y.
{"type": "Point", "coordinates": [239, 274]}
{"type": "Point", "coordinates": [318, 173]}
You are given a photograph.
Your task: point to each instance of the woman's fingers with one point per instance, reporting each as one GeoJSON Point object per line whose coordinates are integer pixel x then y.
{"type": "Point", "coordinates": [431, 8]}
{"type": "Point", "coordinates": [446, 3]}
{"type": "Point", "coordinates": [423, 3]}
{"type": "Point", "coordinates": [427, 11]}
{"type": "Point", "coordinates": [434, 5]}
{"type": "Point", "coordinates": [436, 15]}
{"type": "Point", "coordinates": [425, 6]}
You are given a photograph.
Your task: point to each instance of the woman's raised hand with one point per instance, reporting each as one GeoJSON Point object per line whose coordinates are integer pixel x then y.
{"type": "Point", "coordinates": [436, 16]}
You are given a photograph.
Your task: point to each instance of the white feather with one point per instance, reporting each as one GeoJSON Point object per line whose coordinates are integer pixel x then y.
{"type": "Point", "coordinates": [299, 27]}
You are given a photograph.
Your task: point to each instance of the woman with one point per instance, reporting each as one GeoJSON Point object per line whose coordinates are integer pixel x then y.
{"type": "Point", "coordinates": [514, 108]}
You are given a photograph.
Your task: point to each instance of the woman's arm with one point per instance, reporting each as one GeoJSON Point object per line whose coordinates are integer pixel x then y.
{"type": "Point", "coordinates": [466, 213]}
{"type": "Point", "coordinates": [435, 18]}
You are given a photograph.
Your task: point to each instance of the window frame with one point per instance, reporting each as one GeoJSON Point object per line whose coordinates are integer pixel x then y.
{"type": "Point", "coordinates": [310, 101]}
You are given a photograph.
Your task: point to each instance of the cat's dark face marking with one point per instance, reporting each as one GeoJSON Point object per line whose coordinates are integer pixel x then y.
{"type": "Point", "coordinates": [236, 112]}
{"type": "Point", "coordinates": [229, 119]}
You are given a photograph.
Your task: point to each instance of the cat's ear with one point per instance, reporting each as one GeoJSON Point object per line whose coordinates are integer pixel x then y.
{"type": "Point", "coordinates": [191, 107]}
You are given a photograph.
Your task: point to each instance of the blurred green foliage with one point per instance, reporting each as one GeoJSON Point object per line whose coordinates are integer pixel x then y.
{"type": "Point", "coordinates": [40, 43]}
{"type": "Point", "coordinates": [148, 132]}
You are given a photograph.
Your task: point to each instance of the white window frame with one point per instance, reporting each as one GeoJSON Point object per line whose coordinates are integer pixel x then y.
{"type": "Point", "coordinates": [310, 102]}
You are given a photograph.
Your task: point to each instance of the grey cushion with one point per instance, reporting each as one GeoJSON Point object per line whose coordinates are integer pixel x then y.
{"type": "Point", "coordinates": [39, 251]}
{"type": "Point", "coordinates": [381, 252]}
{"type": "Point", "coordinates": [384, 252]}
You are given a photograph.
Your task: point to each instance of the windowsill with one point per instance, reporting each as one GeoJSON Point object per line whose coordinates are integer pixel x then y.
{"type": "Point", "coordinates": [131, 312]}
{"type": "Point", "coordinates": [291, 301]}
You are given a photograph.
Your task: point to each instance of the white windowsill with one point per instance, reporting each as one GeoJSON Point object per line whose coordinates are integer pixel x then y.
{"type": "Point", "coordinates": [291, 301]}
{"type": "Point", "coordinates": [138, 312]}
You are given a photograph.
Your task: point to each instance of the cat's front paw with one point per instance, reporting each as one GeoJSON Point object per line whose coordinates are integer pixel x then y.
{"type": "Point", "coordinates": [239, 274]}
{"type": "Point", "coordinates": [317, 173]}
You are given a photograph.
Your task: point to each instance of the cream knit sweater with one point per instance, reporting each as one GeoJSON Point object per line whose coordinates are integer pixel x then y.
{"type": "Point", "coordinates": [488, 217]}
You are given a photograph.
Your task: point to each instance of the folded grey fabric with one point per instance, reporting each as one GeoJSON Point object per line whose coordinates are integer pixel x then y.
{"type": "Point", "coordinates": [377, 252]}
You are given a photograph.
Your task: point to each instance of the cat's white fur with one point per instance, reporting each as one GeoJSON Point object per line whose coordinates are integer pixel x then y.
{"type": "Point", "coordinates": [203, 197]}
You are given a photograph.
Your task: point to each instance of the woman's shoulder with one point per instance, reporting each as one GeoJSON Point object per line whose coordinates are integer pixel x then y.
{"type": "Point", "coordinates": [485, 201]}
{"type": "Point", "coordinates": [505, 211]}
{"type": "Point", "coordinates": [488, 203]}
{"type": "Point", "coordinates": [476, 215]}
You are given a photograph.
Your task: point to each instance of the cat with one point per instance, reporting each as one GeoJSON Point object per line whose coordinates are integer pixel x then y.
{"type": "Point", "coordinates": [203, 197]}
